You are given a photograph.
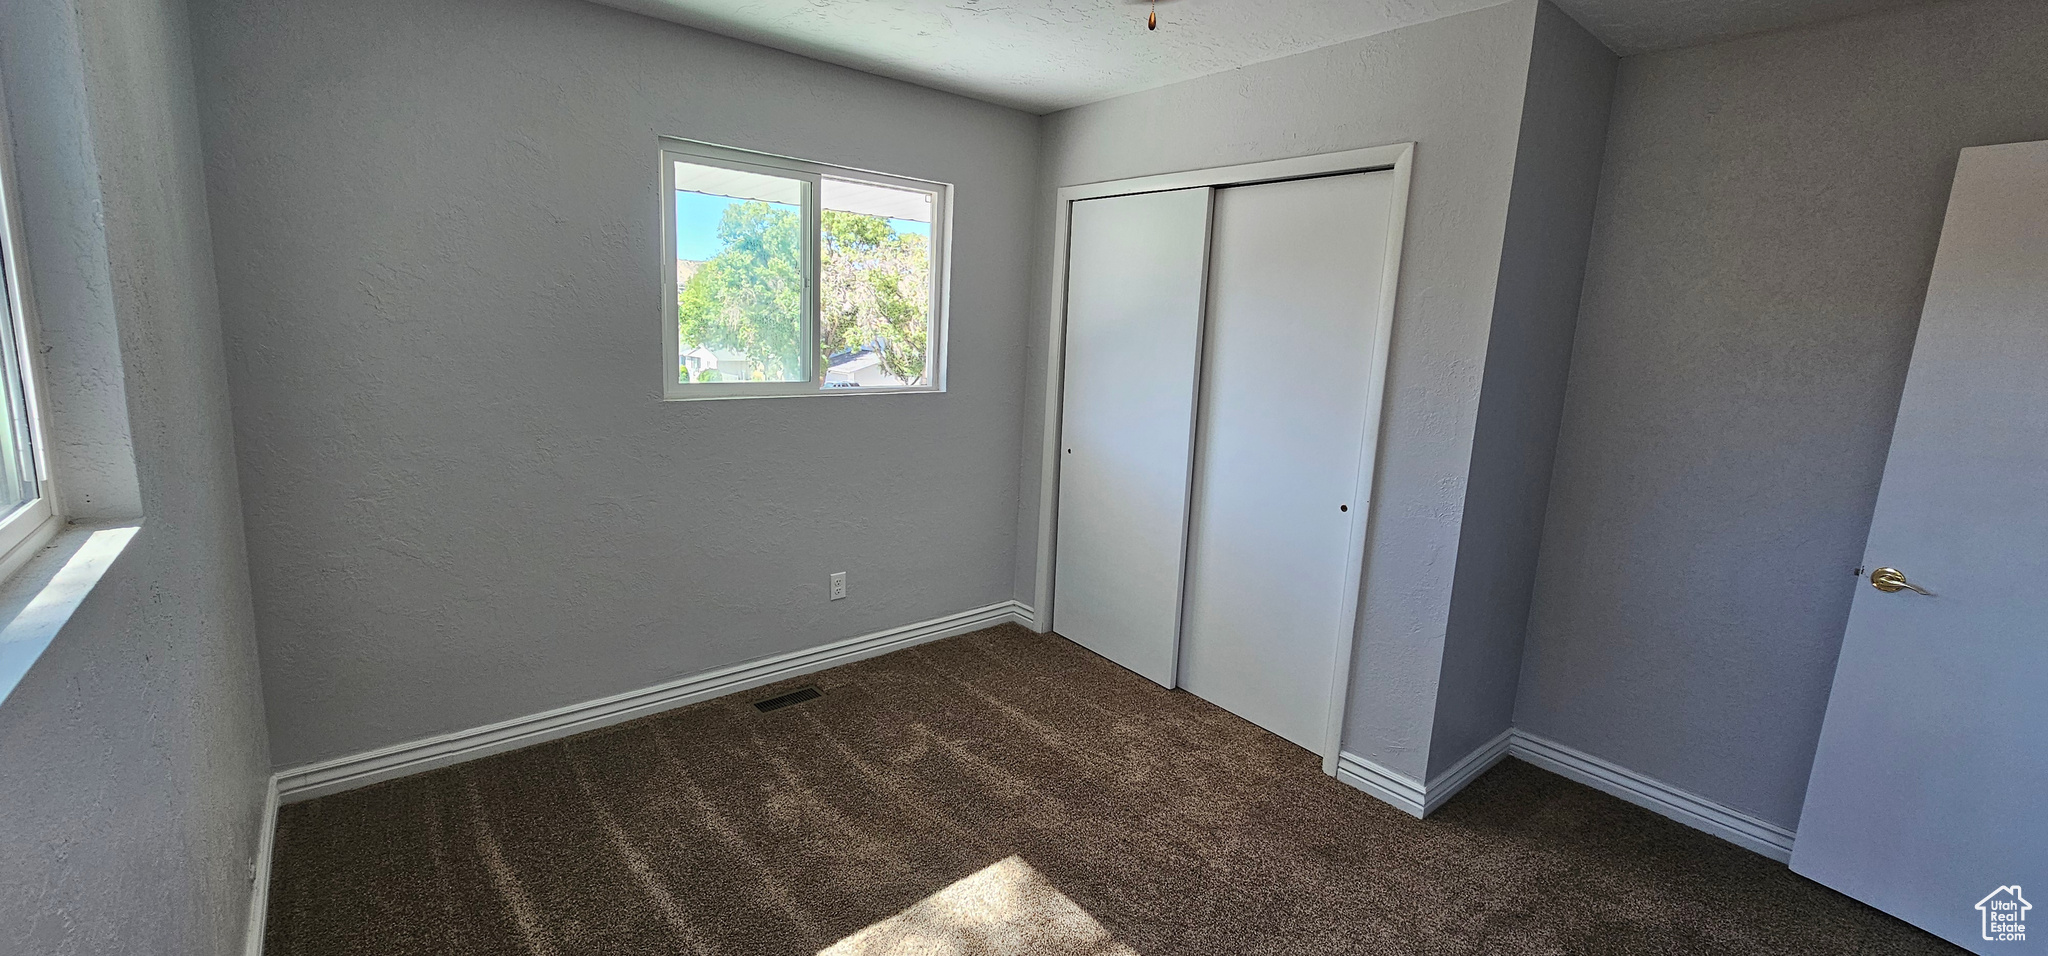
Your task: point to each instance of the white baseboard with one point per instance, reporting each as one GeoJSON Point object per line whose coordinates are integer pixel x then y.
{"type": "Point", "coordinates": [1401, 790]}
{"type": "Point", "coordinates": [398, 760]}
{"type": "Point", "coordinates": [1454, 778]}
{"type": "Point", "coordinates": [1414, 798]}
{"type": "Point", "coordinates": [1684, 806]}
{"type": "Point", "coordinates": [259, 872]}
{"type": "Point", "coordinates": [1419, 800]}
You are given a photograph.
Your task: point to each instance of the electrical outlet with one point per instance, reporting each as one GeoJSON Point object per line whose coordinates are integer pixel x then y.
{"type": "Point", "coordinates": [838, 585]}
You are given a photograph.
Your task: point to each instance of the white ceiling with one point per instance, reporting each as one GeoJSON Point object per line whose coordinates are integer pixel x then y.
{"type": "Point", "coordinates": [1046, 55]}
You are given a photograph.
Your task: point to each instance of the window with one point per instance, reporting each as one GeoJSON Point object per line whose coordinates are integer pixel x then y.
{"type": "Point", "coordinates": [25, 499]}
{"type": "Point", "coordinates": [785, 277]}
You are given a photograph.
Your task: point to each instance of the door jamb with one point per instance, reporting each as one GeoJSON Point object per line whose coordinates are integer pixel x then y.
{"type": "Point", "coordinates": [1398, 159]}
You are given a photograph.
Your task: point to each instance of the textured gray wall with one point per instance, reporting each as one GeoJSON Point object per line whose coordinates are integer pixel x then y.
{"type": "Point", "coordinates": [437, 226]}
{"type": "Point", "coordinates": [132, 756]}
{"type": "Point", "coordinates": [1454, 87]}
{"type": "Point", "coordinates": [1535, 307]}
{"type": "Point", "coordinates": [1766, 226]}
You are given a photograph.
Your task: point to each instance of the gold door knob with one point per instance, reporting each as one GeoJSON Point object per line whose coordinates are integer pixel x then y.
{"type": "Point", "coordinates": [1892, 580]}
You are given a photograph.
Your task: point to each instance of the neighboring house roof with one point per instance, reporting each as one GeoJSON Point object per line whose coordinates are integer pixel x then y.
{"type": "Point", "coordinates": [856, 361]}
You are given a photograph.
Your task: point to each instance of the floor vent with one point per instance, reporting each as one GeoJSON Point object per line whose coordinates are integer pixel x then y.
{"type": "Point", "coordinates": [796, 696]}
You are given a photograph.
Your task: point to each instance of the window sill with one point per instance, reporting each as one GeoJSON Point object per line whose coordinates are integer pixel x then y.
{"type": "Point", "coordinates": [38, 598]}
{"type": "Point", "coordinates": [805, 392]}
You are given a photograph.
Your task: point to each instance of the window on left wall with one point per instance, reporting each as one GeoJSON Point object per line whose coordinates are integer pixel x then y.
{"type": "Point", "coordinates": [27, 502]}
{"type": "Point", "coordinates": [789, 277]}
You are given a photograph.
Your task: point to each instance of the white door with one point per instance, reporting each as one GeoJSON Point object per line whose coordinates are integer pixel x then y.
{"type": "Point", "coordinates": [1134, 324]}
{"type": "Point", "coordinates": [1294, 292]}
{"type": "Point", "coordinates": [1929, 791]}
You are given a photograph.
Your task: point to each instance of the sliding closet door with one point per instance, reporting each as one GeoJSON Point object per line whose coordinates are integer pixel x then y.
{"type": "Point", "coordinates": [1294, 292]}
{"type": "Point", "coordinates": [1133, 328]}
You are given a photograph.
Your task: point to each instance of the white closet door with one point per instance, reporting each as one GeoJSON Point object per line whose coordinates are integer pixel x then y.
{"type": "Point", "coordinates": [1294, 291]}
{"type": "Point", "coordinates": [1134, 321]}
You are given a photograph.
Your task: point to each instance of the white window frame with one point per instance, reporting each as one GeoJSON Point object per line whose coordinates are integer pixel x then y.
{"type": "Point", "coordinates": [812, 175]}
{"type": "Point", "coordinates": [29, 527]}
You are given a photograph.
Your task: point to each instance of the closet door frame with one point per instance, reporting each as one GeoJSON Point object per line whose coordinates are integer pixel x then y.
{"type": "Point", "coordinates": [1396, 159]}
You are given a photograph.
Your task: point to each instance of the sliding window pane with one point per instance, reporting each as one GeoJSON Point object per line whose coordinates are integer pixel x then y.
{"type": "Point", "coordinates": [739, 276]}
{"type": "Point", "coordinates": [875, 286]}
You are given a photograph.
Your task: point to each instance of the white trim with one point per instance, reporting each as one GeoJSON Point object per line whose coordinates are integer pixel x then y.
{"type": "Point", "coordinates": [1346, 646]}
{"type": "Point", "coordinates": [34, 519]}
{"type": "Point", "coordinates": [1399, 158]}
{"type": "Point", "coordinates": [1054, 400]}
{"type": "Point", "coordinates": [1398, 789]}
{"type": "Point", "coordinates": [399, 760]}
{"type": "Point", "coordinates": [1455, 777]}
{"type": "Point", "coordinates": [1419, 800]}
{"type": "Point", "coordinates": [1684, 806]}
{"type": "Point", "coordinates": [259, 872]}
{"type": "Point", "coordinates": [19, 553]}
{"type": "Point", "coordinates": [1244, 174]}
{"type": "Point", "coordinates": [46, 590]}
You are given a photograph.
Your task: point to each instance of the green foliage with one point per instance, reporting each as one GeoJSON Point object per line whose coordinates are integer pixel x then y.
{"type": "Point", "coordinates": [748, 297]}
{"type": "Point", "coordinates": [874, 292]}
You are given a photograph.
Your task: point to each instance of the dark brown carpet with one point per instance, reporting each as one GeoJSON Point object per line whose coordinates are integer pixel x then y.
{"type": "Point", "coordinates": [1004, 792]}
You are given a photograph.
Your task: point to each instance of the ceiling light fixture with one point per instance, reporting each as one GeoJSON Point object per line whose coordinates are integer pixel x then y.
{"type": "Point", "coordinates": [1151, 13]}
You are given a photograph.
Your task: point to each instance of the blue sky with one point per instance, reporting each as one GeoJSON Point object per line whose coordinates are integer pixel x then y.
{"type": "Point", "coordinates": [697, 224]}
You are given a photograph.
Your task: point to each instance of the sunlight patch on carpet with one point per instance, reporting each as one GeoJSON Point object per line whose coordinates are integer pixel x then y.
{"type": "Point", "coordinates": [1005, 909]}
